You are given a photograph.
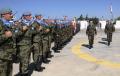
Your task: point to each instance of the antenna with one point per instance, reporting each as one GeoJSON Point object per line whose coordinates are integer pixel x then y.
{"type": "Point", "coordinates": [111, 11]}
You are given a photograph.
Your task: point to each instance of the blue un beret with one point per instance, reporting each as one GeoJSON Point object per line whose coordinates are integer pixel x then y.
{"type": "Point", "coordinates": [27, 13]}
{"type": "Point", "coordinates": [5, 10]}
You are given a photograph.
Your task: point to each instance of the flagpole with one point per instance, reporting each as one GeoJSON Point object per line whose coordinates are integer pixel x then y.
{"type": "Point", "coordinates": [111, 12]}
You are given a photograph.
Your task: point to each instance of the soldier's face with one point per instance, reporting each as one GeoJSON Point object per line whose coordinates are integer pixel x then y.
{"type": "Point", "coordinates": [29, 17]}
{"type": "Point", "coordinates": [8, 16]}
{"type": "Point", "coordinates": [39, 17]}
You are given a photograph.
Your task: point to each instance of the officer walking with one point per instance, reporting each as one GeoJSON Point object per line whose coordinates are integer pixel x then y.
{"type": "Point", "coordinates": [109, 29]}
{"type": "Point", "coordinates": [91, 31]}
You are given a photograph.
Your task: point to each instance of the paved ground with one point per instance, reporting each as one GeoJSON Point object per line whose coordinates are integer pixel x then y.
{"type": "Point", "coordinates": [77, 60]}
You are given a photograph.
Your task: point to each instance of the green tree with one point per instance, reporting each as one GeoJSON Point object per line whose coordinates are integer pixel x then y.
{"type": "Point", "coordinates": [81, 17]}
{"type": "Point", "coordinates": [95, 20]}
{"type": "Point", "coordinates": [118, 18]}
{"type": "Point", "coordinates": [86, 18]}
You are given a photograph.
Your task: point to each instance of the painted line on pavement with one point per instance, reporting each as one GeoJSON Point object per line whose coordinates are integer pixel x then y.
{"type": "Point", "coordinates": [76, 50]}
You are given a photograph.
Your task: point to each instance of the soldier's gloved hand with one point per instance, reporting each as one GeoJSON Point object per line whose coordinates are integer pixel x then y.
{"type": "Point", "coordinates": [25, 28]}
{"type": "Point", "coordinates": [8, 33]}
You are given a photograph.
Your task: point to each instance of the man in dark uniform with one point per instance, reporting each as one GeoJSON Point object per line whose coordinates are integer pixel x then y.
{"type": "Point", "coordinates": [109, 29]}
{"type": "Point", "coordinates": [91, 31]}
{"type": "Point", "coordinates": [7, 48]}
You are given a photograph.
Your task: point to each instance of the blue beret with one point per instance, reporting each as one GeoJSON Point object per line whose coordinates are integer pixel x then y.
{"type": "Point", "coordinates": [38, 14]}
{"type": "Point", "coordinates": [5, 10]}
{"type": "Point", "coordinates": [27, 13]}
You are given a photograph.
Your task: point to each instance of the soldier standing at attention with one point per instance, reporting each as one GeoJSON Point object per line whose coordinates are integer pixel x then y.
{"type": "Point", "coordinates": [91, 31]}
{"type": "Point", "coordinates": [109, 29]}
{"type": "Point", "coordinates": [24, 43]}
{"type": "Point", "coordinates": [37, 44]}
{"type": "Point", "coordinates": [7, 50]}
{"type": "Point", "coordinates": [44, 38]}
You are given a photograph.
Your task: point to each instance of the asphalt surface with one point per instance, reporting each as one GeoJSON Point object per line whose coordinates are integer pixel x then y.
{"type": "Point", "coordinates": [76, 59]}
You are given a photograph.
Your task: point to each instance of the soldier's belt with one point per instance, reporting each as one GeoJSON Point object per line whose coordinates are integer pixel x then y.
{"type": "Point", "coordinates": [6, 46]}
{"type": "Point", "coordinates": [26, 38]}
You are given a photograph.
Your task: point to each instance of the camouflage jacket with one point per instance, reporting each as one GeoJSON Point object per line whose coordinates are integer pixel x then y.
{"type": "Point", "coordinates": [37, 36]}
{"type": "Point", "coordinates": [109, 28]}
{"type": "Point", "coordinates": [25, 37]}
{"type": "Point", "coordinates": [7, 47]}
{"type": "Point", "coordinates": [91, 30]}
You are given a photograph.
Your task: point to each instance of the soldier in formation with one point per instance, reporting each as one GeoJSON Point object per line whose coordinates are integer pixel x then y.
{"type": "Point", "coordinates": [8, 36]}
{"type": "Point", "coordinates": [19, 39]}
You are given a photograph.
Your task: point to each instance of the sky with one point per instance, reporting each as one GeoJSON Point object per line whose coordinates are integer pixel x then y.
{"type": "Point", "coordinates": [60, 8]}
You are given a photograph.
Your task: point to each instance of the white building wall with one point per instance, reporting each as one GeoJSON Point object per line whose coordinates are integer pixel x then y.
{"type": "Point", "coordinates": [117, 25]}
{"type": "Point", "coordinates": [103, 23]}
{"type": "Point", "coordinates": [84, 24]}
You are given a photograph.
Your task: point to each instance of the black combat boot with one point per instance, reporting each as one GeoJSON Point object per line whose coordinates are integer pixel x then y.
{"type": "Point", "coordinates": [56, 51]}
{"type": "Point", "coordinates": [22, 74]}
{"type": "Point", "coordinates": [108, 43]}
{"type": "Point", "coordinates": [38, 64]}
{"type": "Point", "coordinates": [49, 55]}
{"type": "Point", "coordinates": [39, 68]}
{"type": "Point", "coordinates": [45, 60]}
{"type": "Point", "coordinates": [90, 46]}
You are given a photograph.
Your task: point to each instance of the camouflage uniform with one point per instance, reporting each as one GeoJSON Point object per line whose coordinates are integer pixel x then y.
{"type": "Point", "coordinates": [7, 52]}
{"type": "Point", "coordinates": [57, 36]}
{"type": "Point", "coordinates": [37, 46]}
{"type": "Point", "coordinates": [109, 29]}
{"type": "Point", "coordinates": [62, 34]}
{"type": "Point", "coordinates": [44, 40]}
{"type": "Point", "coordinates": [24, 43]}
{"type": "Point", "coordinates": [7, 47]}
{"type": "Point", "coordinates": [91, 31]}
{"type": "Point", "coordinates": [49, 35]}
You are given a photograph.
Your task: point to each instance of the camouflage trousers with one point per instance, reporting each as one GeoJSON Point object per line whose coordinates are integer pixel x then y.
{"type": "Point", "coordinates": [45, 46]}
{"type": "Point", "coordinates": [49, 42]}
{"type": "Point", "coordinates": [57, 41]}
{"type": "Point", "coordinates": [5, 68]}
{"type": "Point", "coordinates": [109, 37]}
{"type": "Point", "coordinates": [24, 56]}
{"type": "Point", "coordinates": [37, 54]}
{"type": "Point", "coordinates": [91, 39]}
